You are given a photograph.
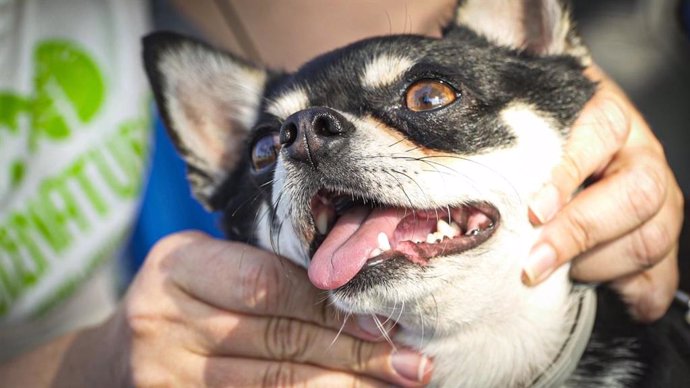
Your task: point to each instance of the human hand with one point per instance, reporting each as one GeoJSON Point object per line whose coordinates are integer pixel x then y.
{"type": "Point", "coordinates": [624, 227]}
{"type": "Point", "coordinates": [205, 312]}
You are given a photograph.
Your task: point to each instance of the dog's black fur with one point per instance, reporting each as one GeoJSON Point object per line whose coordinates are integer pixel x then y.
{"type": "Point", "coordinates": [661, 350]}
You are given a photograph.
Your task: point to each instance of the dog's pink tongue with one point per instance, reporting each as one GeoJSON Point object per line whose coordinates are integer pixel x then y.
{"type": "Point", "coordinates": [349, 244]}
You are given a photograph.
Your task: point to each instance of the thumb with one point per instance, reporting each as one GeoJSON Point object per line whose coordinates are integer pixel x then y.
{"type": "Point", "coordinates": [596, 136]}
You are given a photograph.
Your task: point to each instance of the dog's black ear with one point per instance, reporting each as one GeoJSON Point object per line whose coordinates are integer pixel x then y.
{"type": "Point", "coordinates": [541, 27]}
{"type": "Point", "coordinates": [208, 100]}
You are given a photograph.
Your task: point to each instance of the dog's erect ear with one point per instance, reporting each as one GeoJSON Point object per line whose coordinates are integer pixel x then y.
{"type": "Point", "coordinates": [208, 101]}
{"type": "Point", "coordinates": [541, 27]}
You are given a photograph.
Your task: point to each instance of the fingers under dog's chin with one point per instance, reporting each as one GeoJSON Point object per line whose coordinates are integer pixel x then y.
{"type": "Point", "coordinates": [650, 308]}
{"type": "Point", "coordinates": [627, 255]}
{"type": "Point", "coordinates": [650, 293]}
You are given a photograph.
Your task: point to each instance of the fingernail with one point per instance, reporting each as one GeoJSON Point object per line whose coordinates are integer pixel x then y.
{"type": "Point", "coordinates": [540, 263]}
{"type": "Point", "coordinates": [545, 203]}
{"type": "Point", "coordinates": [369, 326]}
{"type": "Point", "coordinates": [411, 366]}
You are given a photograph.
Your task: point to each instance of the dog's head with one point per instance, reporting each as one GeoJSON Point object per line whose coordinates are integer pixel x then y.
{"type": "Point", "coordinates": [395, 169]}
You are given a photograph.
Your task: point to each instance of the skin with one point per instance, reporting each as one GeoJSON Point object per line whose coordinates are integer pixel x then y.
{"type": "Point", "coordinates": [205, 312]}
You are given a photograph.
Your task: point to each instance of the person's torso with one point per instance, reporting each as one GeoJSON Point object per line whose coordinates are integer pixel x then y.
{"type": "Point", "coordinates": [73, 144]}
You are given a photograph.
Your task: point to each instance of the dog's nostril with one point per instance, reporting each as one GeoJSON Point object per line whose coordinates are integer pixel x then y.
{"type": "Point", "coordinates": [325, 126]}
{"type": "Point", "coordinates": [288, 133]}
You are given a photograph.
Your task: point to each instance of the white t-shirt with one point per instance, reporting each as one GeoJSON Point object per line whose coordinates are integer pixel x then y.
{"type": "Point", "coordinates": [74, 139]}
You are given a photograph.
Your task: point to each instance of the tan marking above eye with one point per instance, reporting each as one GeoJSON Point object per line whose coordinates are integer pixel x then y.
{"type": "Point", "coordinates": [429, 94]}
{"type": "Point", "coordinates": [265, 152]}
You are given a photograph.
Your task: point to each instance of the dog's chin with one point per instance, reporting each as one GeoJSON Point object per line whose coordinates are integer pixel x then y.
{"type": "Point", "coordinates": [369, 292]}
{"type": "Point", "coordinates": [415, 240]}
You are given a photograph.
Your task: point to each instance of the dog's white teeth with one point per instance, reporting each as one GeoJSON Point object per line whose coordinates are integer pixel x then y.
{"type": "Point", "coordinates": [384, 244]}
{"type": "Point", "coordinates": [434, 238]}
{"type": "Point", "coordinates": [375, 252]}
{"type": "Point", "coordinates": [447, 230]}
{"type": "Point", "coordinates": [322, 222]}
{"type": "Point", "coordinates": [456, 228]}
{"type": "Point", "coordinates": [473, 232]}
{"type": "Point", "coordinates": [444, 231]}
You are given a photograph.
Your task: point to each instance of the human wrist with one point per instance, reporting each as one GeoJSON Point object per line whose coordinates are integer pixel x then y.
{"type": "Point", "coordinates": [86, 358]}
{"type": "Point", "coordinates": [95, 356]}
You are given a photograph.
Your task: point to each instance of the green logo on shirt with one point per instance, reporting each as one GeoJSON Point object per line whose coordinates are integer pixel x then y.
{"type": "Point", "coordinates": [64, 73]}
{"type": "Point", "coordinates": [98, 184]}
{"type": "Point", "coordinates": [68, 87]}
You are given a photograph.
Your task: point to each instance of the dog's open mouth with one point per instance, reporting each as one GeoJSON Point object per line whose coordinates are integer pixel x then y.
{"type": "Point", "coordinates": [354, 234]}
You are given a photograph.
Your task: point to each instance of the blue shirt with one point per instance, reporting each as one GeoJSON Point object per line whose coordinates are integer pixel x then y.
{"type": "Point", "coordinates": [167, 205]}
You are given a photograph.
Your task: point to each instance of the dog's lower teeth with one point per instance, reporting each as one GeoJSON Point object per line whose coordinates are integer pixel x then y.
{"type": "Point", "coordinates": [450, 230]}
{"type": "Point", "coordinates": [472, 232]}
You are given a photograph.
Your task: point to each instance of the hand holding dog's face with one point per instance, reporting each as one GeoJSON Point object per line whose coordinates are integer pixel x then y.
{"type": "Point", "coordinates": [396, 169]}
{"type": "Point", "coordinates": [205, 312]}
{"type": "Point", "coordinates": [624, 227]}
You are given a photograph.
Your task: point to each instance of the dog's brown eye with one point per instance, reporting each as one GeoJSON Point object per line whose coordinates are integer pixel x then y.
{"type": "Point", "coordinates": [429, 94]}
{"type": "Point", "coordinates": [265, 152]}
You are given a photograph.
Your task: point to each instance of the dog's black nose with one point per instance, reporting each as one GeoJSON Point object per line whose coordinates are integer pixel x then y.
{"type": "Point", "coordinates": [309, 134]}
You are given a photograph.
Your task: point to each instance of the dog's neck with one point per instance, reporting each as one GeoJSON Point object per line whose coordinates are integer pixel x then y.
{"type": "Point", "coordinates": [537, 341]}
{"type": "Point", "coordinates": [565, 363]}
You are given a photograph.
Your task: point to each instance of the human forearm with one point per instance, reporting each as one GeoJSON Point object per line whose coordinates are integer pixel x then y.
{"type": "Point", "coordinates": [205, 312]}
{"type": "Point", "coordinates": [79, 359]}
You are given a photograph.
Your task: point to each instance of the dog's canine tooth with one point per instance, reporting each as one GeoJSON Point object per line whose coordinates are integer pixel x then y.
{"type": "Point", "coordinates": [322, 222]}
{"type": "Point", "coordinates": [375, 252]}
{"type": "Point", "coordinates": [384, 244]}
{"type": "Point", "coordinates": [446, 230]}
{"type": "Point", "coordinates": [456, 228]}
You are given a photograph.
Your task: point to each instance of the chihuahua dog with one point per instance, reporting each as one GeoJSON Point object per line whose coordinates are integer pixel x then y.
{"type": "Point", "coordinates": [397, 170]}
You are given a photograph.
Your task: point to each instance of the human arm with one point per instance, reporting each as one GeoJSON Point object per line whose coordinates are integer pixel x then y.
{"type": "Point", "coordinates": [204, 312]}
